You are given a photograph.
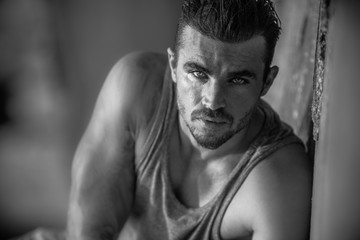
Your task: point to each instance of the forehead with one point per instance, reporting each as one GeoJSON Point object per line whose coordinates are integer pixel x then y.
{"type": "Point", "coordinates": [215, 53]}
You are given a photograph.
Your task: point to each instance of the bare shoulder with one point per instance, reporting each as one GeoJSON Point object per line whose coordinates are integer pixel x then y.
{"type": "Point", "coordinates": [124, 106]}
{"type": "Point", "coordinates": [139, 73]}
{"type": "Point", "coordinates": [144, 62]}
{"type": "Point", "coordinates": [275, 200]}
{"type": "Point", "coordinates": [289, 166]}
{"type": "Point", "coordinates": [135, 82]}
{"type": "Point", "coordinates": [99, 205]}
{"type": "Point", "coordinates": [282, 188]}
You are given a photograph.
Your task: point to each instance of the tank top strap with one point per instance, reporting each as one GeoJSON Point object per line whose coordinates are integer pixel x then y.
{"type": "Point", "coordinates": [159, 129]}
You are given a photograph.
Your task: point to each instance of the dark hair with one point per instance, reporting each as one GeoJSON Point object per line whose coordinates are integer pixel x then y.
{"type": "Point", "coordinates": [231, 21]}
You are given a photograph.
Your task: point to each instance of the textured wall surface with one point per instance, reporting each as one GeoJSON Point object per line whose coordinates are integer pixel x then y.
{"type": "Point", "coordinates": [292, 90]}
{"type": "Point", "coordinates": [336, 210]}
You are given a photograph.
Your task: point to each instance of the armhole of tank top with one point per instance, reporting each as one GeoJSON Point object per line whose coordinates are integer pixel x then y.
{"type": "Point", "coordinates": [162, 115]}
{"type": "Point", "coordinates": [254, 160]}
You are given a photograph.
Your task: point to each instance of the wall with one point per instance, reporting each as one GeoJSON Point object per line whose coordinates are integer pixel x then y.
{"type": "Point", "coordinates": [336, 210]}
{"type": "Point", "coordinates": [291, 92]}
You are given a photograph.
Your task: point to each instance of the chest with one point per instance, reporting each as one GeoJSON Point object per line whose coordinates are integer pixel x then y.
{"type": "Point", "coordinates": [196, 184]}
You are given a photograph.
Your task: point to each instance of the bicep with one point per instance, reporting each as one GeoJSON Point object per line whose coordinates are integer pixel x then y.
{"type": "Point", "coordinates": [282, 198]}
{"type": "Point", "coordinates": [102, 191]}
{"type": "Point", "coordinates": [103, 168]}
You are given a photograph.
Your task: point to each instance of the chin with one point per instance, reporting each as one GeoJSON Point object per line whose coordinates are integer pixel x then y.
{"type": "Point", "coordinates": [211, 141]}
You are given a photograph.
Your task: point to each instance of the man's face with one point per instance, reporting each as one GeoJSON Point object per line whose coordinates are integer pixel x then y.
{"type": "Point", "coordinates": [218, 85]}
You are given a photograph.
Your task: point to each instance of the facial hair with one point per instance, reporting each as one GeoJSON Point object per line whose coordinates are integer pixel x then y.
{"type": "Point", "coordinates": [211, 140]}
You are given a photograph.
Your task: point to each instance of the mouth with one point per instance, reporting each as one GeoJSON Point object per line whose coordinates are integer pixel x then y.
{"type": "Point", "coordinates": [213, 120]}
{"type": "Point", "coordinates": [212, 123]}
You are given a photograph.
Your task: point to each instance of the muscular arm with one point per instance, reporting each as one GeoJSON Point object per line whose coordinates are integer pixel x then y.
{"type": "Point", "coordinates": [283, 196]}
{"type": "Point", "coordinates": [274, 202]}
{"type": "Point", "coordinates": [103, 176]}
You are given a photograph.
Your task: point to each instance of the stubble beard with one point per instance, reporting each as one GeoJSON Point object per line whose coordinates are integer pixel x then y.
{"type": "Point", "coordinates": [211, 140]}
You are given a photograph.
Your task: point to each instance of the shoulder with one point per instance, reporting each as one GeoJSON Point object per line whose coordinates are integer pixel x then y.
{"type": "Point", "coordinates": [149, 62]}
{"type": "Point", "coordinates": [106, 151]}
{"type": "Point", "coordinates": [126, 102]}
{"type": "Point", "coordinates": [289, 163]}
{"type": "Point", "coordinates": [282, 188]}
{"type": "Point", "coordinates": [275, 199]}
{"type": "Point", "coordinates": [138, 72]}
{"type": "Point", "coordinates": [133, 86]}
{"type": "Point", "coordinates": [135, 73]}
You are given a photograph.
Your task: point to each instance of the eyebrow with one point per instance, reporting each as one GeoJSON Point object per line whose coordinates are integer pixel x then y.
{"type": "Point", "coordinates": [242, 73]}
{"type": "Point", "coordinates": [196, 66]}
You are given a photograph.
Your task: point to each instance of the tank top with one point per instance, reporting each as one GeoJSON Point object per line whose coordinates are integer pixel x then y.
{"type": "Point", "coordinates": [157, 214]}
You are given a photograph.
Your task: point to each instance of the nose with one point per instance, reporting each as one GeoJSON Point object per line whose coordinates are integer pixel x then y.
{"type": "Point", "coordinates": [213, 96]}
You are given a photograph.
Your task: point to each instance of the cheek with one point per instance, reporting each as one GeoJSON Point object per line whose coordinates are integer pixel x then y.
{"type": "Point", "coordinates": [188, 94]}
{"type": "Point", "coordinates": [239, 104]}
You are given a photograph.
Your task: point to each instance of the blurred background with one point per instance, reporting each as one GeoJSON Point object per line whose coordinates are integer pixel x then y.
{"type": "Point", "coordinates": [55, 55]}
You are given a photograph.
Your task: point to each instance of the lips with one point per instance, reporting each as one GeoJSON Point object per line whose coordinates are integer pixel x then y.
{"type": "Point", "coordinates": [206, 115]}
{"type": "Point", "coordinates": [213, 120]}
{"type": "Point", "coordinates": [211, 123]}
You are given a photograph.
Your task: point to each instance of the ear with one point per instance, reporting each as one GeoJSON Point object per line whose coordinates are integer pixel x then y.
{"type": "Point", "coordinates": [273, 71]}
{"type": "Point", "coordinates": [172, 63]}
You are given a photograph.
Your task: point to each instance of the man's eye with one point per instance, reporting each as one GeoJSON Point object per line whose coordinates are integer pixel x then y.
{"type": "Point", "coordinates": [239, 81]}
{"type": "Point", "coordinates": [199, 75]}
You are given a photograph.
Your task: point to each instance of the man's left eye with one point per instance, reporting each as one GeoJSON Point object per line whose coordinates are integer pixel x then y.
{"type": "Point", "coordinates": [239, 81]}
{"type": "Point", "coordinates": [199, 75]}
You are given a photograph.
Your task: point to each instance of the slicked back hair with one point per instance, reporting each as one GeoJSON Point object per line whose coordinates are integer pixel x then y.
{"type": "Point", "coordinates": [231, 21]}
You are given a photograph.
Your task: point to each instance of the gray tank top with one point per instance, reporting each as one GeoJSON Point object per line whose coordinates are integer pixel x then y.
{"type": "Point", "coordinates": [157, 214]}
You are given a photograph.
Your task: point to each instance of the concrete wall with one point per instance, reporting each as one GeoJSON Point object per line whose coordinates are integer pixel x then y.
{"type": "Point", "coordinates": [291, 92]}
{"type": "Point", "coordinates": [336, 210]}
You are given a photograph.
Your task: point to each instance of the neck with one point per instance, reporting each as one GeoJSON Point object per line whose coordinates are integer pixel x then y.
{"type": "Point", "coordinates": [238, 143]}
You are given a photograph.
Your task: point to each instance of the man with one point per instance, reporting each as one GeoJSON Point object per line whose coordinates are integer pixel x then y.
{"type": "Point", "coordinates": [183, 147]}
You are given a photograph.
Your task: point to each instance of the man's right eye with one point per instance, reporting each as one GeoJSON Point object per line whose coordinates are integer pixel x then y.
{"type": "Point", "coordinates": [198, 75]}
